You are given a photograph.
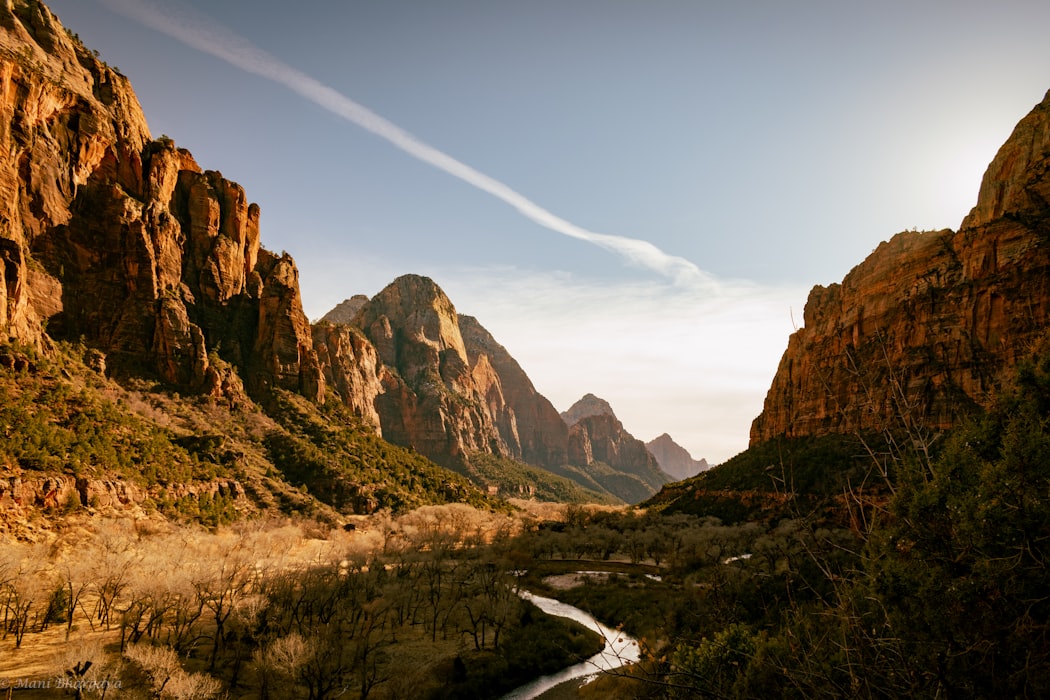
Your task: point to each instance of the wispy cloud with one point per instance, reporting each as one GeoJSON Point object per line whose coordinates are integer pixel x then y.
{"type": "Point", "coordinates": [203, 34]}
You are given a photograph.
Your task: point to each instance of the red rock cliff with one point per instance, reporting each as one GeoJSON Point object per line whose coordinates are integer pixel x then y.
{"type": "Point", "coordinates": [112, 237]}
{"type": "Point", "coordinates": [931, 324]}
{"type": "Point", "coordinates": [432, 396]}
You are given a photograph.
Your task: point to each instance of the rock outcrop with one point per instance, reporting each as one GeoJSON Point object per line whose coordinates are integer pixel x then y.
{"type": "Point", "coordinates": [929, 327]}
{"type": "Point", "coordinates": [529, 424]}
{"type": "Point", "coordinates": [597, 438]}
{"type": "Point", "coordinates": [433, 398]}
{"type": "Point", "coordinates": [674, 459]}
{"type": "Point", "coordinates": [26, 494]}
{"type": "Point", "coordinates": [350, 365]}
{"type": "Point", "coordinates": [588, 405]}
{"type": "Point", "coordinates": [109, 236]}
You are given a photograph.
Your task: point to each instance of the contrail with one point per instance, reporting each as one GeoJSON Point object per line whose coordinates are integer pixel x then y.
{"type": "Point", "coordinates": [204, 35]}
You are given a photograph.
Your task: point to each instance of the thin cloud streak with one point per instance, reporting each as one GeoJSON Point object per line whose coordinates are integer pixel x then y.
{"type": "Point", "coordinates": [204, 35]}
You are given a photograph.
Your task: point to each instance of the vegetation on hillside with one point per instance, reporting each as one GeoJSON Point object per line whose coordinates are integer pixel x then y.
{"type": "Point", "coordinates": [61, 416]}
{"type": "Point", "coordinates": [517, 480]}
{"type": "Point", "coordinates": [936, 589]}
{"type": "Point", "coordinates": [326, 450]}
{"type": "Point", "coordinates": [58, 416]}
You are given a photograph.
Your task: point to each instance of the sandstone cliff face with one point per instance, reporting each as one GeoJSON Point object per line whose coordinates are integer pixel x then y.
{"type": "Point", "coordinates": [931, 324]}
{"type": "Point", "coordinates": [433, 397]}
{"type": "Point", "coordinates": [602, 439]}
{"type": "Point", "coordinates": [429, 378]}
{"type": "Point", "coordinates": [529, 423]}
{"type": "Point", "coordinates": [123, 241]}
{"type": "Point", "coordinates": [351, 366]}
{"type": "Point", "coordinates": [674, 459]}
{"type": "Point", "coordinates": [596, 436]}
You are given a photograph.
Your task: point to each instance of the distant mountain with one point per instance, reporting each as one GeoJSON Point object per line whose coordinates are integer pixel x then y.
{"type": "Point", "coordinates": [345, 310]}
{"type": "Point", "coordinates": [675, 459]}
{"type": "Point", "coordinates": [589, 405]}
{"type": "Point", "coordinates": [601, 448]}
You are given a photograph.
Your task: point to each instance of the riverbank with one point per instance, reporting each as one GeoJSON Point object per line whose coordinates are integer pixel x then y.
{"type": "Point", "coordinates": [618, 650]}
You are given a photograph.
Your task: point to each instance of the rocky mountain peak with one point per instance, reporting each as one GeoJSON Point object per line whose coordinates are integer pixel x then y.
{"type": "Point", "coordinates": [674, 459]}
{"type": "Point", "coordinates": [415, 327]}
{"type": "Point", "coordinates": [1015, 182]}
{"type": "Point", "coordinates": [589, 405]}
{"type": "Point", "coordinates": [345, 310]}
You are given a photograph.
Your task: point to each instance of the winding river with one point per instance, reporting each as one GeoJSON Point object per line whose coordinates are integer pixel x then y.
{"type": "Point", "coordinates": [620, 650]}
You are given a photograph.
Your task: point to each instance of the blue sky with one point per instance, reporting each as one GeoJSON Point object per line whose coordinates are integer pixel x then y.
{"type": "Point", "coordinates": [769, 146]}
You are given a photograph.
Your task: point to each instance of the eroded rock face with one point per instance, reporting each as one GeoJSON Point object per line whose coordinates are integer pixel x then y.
{"type": "Point", "coordinates": [110, 236]}
{"type": "Point", "coordinates": [527, 421]}
{"type": "Point", "coordinates": [930, 325]}
{"type": "Point", "coordinates": [434, 398]}
{"type": "Point", "coordinates": [351, 366]}
{"type": "Point", "coordinates": [602, 438]}
{"type": "Point", "coordinates": [433, 380]}
{"type": "Point", "coordinates": [58, 493]}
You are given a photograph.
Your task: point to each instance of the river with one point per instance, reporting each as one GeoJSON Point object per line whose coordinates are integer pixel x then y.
{"type": "Point", "coordinates": [620, 650]}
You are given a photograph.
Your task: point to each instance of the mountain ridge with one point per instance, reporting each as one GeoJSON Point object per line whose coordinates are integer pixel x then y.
{"type": "Point", "coordinates": [431, 361]}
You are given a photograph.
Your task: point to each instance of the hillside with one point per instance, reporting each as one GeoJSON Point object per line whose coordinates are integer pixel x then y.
{"type": "Point", "coordinates": [75, 441]}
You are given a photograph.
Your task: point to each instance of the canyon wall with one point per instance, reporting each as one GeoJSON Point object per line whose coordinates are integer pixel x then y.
{"type": "Point", "coordinates": [122, 241]}
{"type": "Point", "coordinates": [929, 327]}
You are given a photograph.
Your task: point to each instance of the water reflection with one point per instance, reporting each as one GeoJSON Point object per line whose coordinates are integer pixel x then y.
{"type": "Point", "coordinates": [620, 650]}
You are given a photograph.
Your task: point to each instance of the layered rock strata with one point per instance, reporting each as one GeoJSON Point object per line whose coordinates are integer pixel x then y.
{"type": "Point", "coordinates": [109, 236]}
{"type": "Point", "coordinates": [930, 326]}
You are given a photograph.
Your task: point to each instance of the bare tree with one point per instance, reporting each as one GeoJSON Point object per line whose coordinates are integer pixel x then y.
{"type": "Point", "coordinates": [168, 680]}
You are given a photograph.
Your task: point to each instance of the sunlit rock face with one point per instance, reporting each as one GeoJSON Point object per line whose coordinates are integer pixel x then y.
{"type": "Point", "coordinates": [110, 236]}
{"type": "Point", "coordinates": [444, 386]}
{"type": "Point", "coordinates": [432, 398]}
{"type": "Point", "coordinates": [930, 325]}
{"type": "Point", "coordinates": [588, 405]}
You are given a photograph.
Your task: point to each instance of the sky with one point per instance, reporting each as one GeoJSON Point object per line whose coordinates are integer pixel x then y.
{"type": "Point", "coordinates": [633, 197]}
